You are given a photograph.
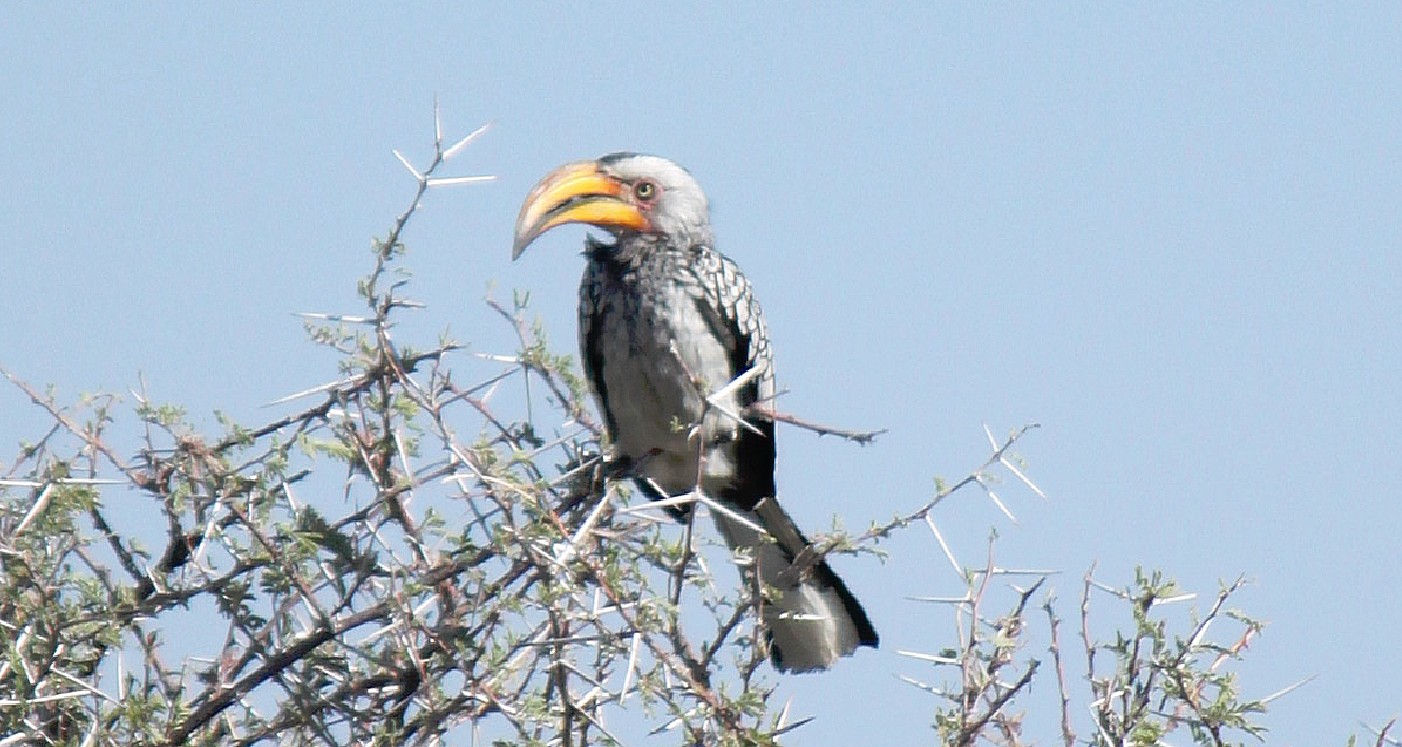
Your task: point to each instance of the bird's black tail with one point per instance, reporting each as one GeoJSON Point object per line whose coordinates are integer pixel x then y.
{"type": "Point", "coordinates": [813, 619]}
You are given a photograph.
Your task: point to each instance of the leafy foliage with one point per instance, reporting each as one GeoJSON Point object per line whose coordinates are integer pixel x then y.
{"type": "Point", "coordinates": [412, 560]}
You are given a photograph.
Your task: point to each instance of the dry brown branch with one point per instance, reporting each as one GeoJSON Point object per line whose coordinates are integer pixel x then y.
{"type": "Point", "coordinates": [431, 548]}
{"type": "Point", "coordinates": [863, 438]}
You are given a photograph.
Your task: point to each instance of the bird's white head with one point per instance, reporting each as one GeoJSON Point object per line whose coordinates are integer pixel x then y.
{"type": "Point", "coordinates": [627, 194]}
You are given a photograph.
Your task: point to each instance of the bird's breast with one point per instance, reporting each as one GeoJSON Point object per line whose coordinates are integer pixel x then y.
{"type": "Point", "coordinates": [659, 359]}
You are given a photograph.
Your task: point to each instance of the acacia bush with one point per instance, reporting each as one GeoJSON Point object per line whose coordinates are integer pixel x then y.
{"type": "Point", "coordinates": [407, 558]}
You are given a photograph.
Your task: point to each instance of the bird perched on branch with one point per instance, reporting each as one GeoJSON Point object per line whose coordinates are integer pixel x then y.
{"type": "Point", "coordinates": [675, 347]}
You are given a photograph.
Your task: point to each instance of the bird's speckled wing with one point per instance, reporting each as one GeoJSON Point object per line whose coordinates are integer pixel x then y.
{"type": "Point", "coordinates": [590, 290]}
{"type": "Point", "coordinates": [729, 304]}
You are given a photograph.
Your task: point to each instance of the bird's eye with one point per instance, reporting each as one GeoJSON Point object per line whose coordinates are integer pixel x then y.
{"type": "Point", "coordinates": [645, 190]}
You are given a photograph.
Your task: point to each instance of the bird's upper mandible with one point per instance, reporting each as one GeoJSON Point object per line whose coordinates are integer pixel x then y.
{"type": "Point", "coordinates": [626, 194]}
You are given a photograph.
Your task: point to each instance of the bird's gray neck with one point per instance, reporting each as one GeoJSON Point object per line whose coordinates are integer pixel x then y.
{"type": "Point", "coordinates": [636, 249]}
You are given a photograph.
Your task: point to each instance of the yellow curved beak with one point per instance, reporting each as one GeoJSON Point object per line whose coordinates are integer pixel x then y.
{"type": "Point", "coordinates": [575, 193]}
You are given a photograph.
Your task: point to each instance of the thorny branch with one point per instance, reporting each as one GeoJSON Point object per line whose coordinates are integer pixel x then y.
{"type": "Point", "coordinates": [413, 560]}
{"type": "Point", "coordinates": [402, 603]}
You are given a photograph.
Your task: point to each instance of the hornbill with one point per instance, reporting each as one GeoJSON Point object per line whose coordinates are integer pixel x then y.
{"type": "Point", "coordinates": [675, 348]}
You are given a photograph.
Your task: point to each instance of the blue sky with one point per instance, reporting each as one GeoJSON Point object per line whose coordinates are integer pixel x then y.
{"type": "Point", "coordinates": [1170, 234]}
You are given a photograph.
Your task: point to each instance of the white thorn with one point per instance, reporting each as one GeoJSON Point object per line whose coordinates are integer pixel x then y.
{"type": "Point", "coordinates": [448, 181]}
{"type": "Point", "coordinates": [457, 147]}
{"type": "Point", "coordinates": [437, 122]}
{"type": "Point", "coordinates": [407, 165]}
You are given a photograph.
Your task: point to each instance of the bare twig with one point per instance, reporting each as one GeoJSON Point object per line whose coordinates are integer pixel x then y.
{"type": "Point", "coordinates": [766, 410]}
